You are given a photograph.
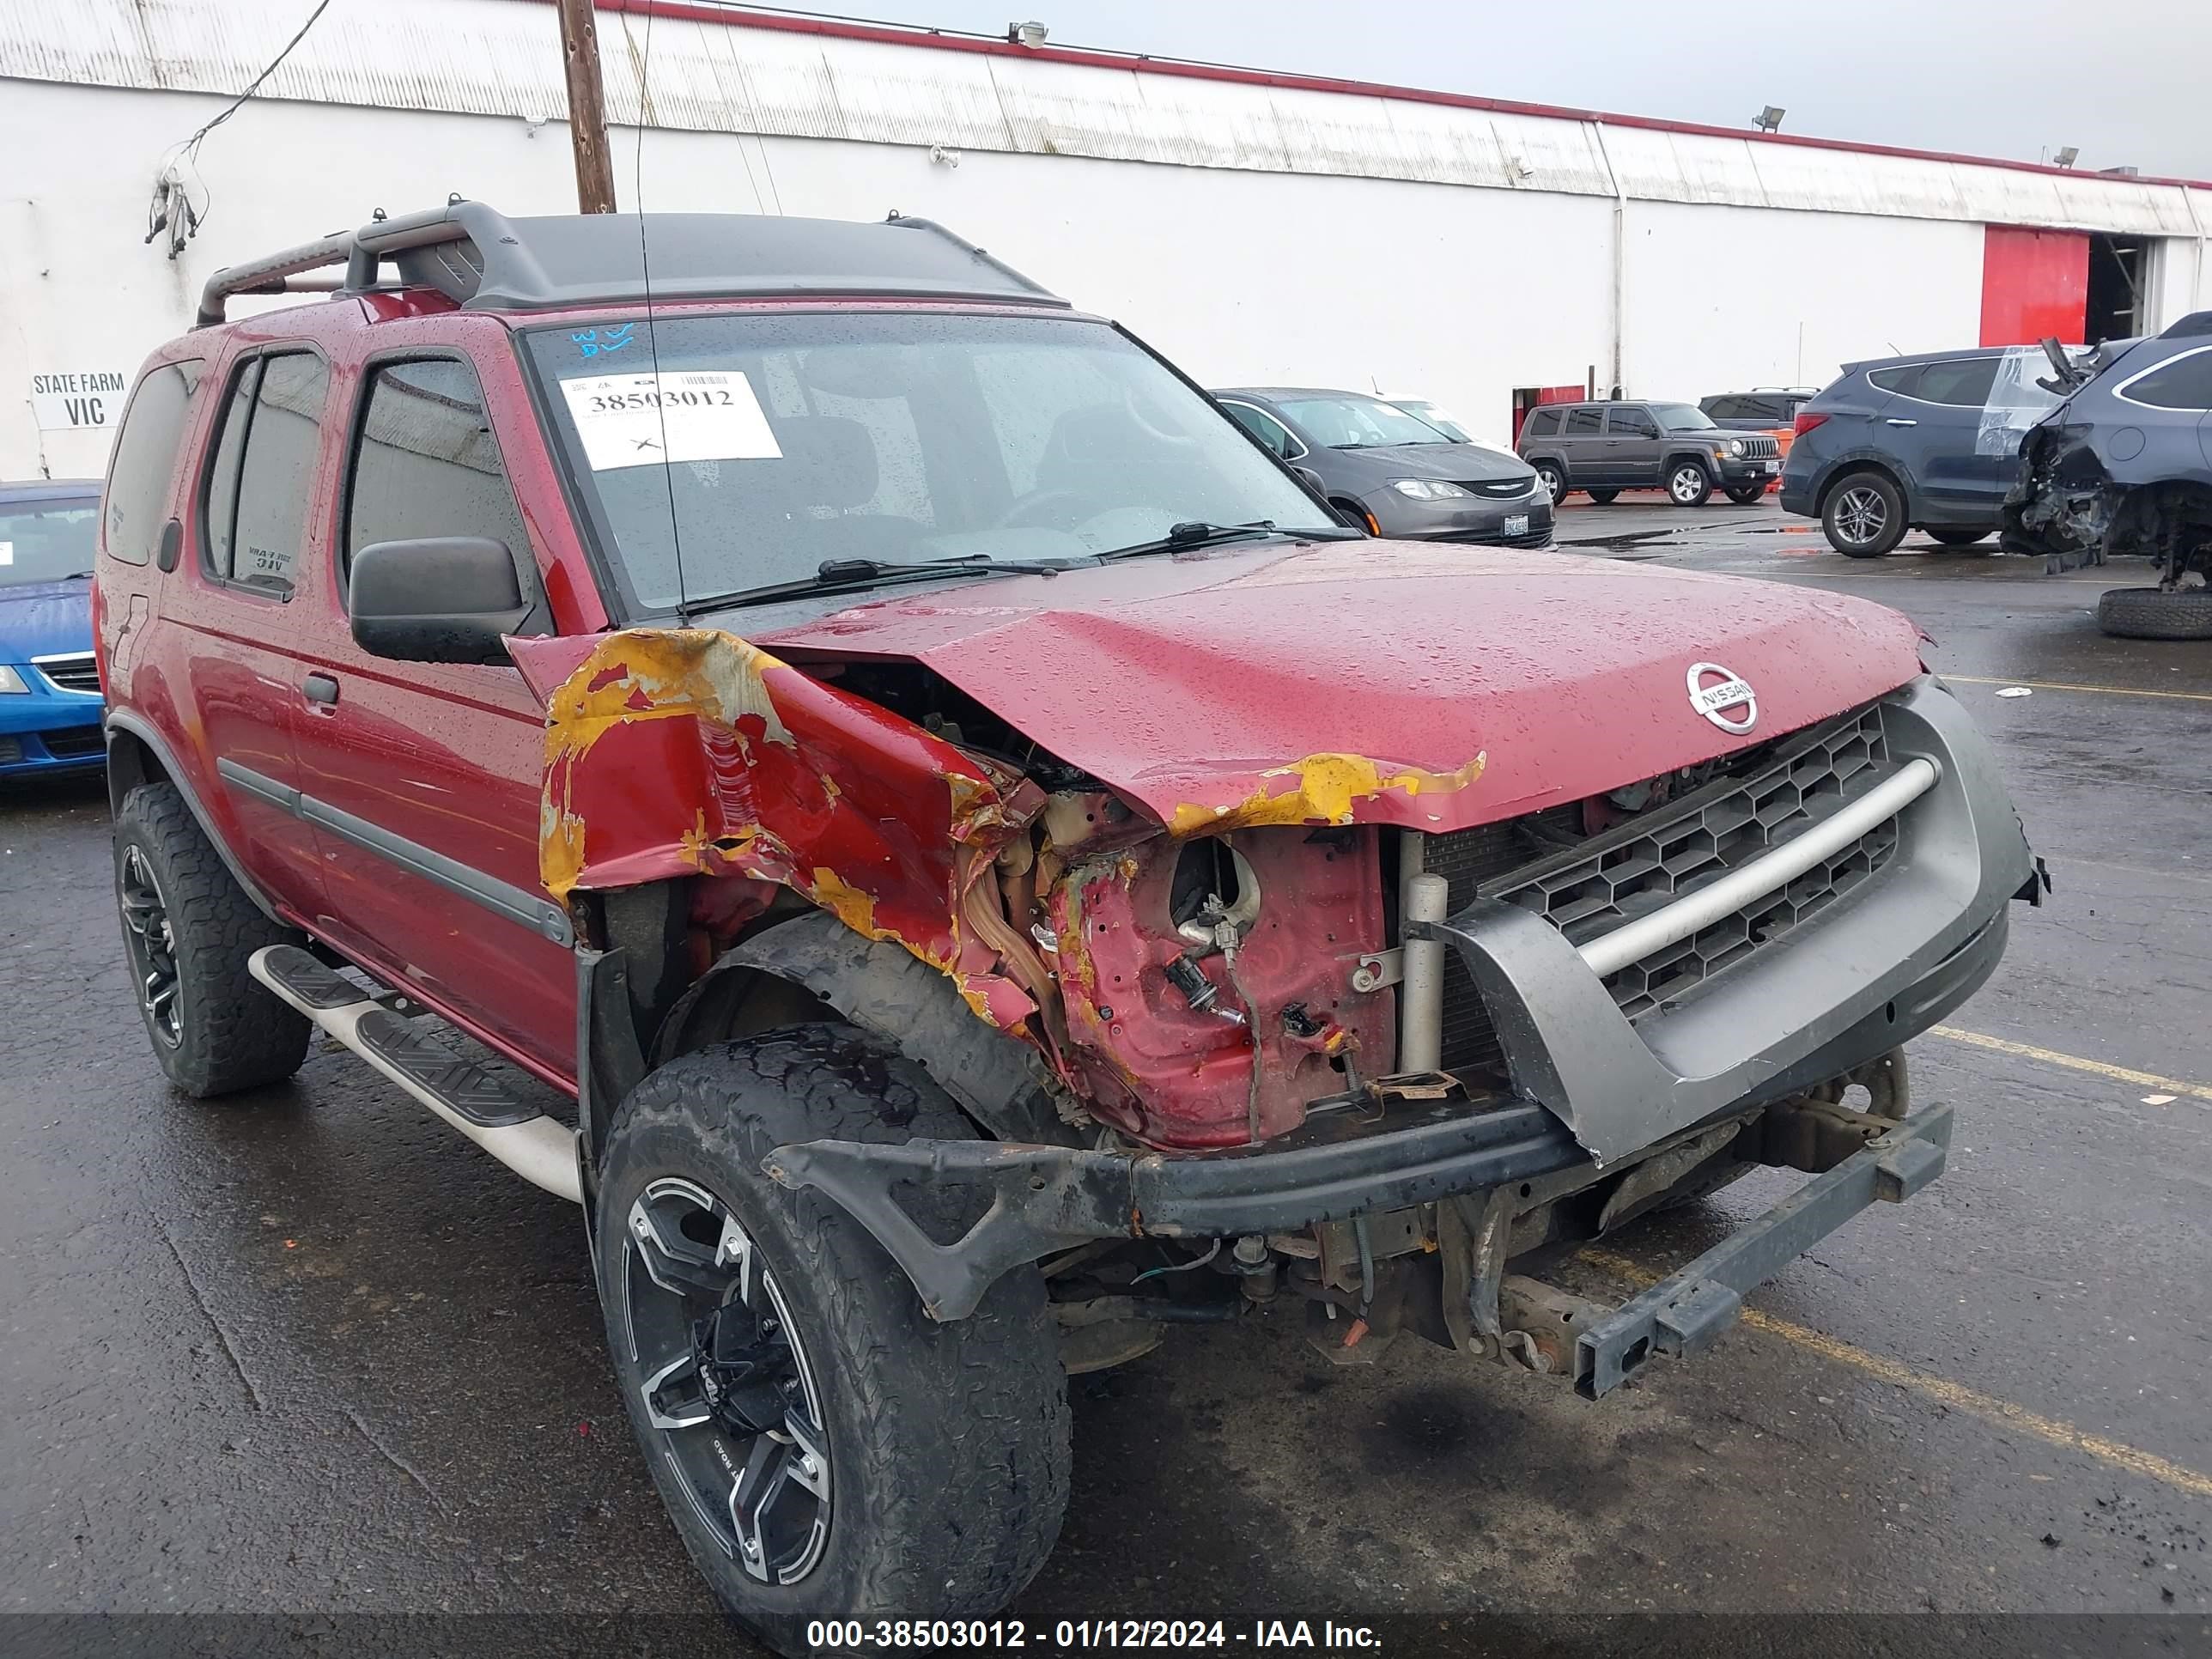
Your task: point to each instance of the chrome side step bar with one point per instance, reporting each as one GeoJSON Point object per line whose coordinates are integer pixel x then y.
{"type": "Point", "coordinates": [1609, 953]}
{"type": "Point", "coordinates": [538, 1148]}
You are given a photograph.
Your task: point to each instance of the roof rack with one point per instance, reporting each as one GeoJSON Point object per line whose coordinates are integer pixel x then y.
{"type": "Point", "coordinates": [483, 260]}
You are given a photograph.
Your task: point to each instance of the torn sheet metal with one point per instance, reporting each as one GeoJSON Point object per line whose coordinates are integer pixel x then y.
{"type": "Point", "coordinates": [689, 751]}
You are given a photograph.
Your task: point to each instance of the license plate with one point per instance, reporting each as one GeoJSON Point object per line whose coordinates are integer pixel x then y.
{"type": "Point", "coordinates": [1767, 467]}
{"type": "Point", "coordinates": [1517, 524]}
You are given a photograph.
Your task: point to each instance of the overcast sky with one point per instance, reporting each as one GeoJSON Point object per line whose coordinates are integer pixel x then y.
{"type": "Point", "coordinates": [2125, 81]}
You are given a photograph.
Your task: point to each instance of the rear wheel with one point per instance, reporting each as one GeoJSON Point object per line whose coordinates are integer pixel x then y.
{"type": "Point", "coordinates": [2156, 613]}
{"type": "Point", "coordinates": [1746, 494]}
{"type": "Point", "coordinates": [826, 1451]}
{"type": "Point", "coordinates": [1688, 484]}
{"type": "Point", "coordinates": [187, 930]}
{"type": "Point", "coordinates": [1956, 536]}
{"type": "Point", "coordinates": [1553, 477]}
{"type": "Point", "coordinates": [1604, 498]}
{"type": "Point", "coordinates": [1864, 515]}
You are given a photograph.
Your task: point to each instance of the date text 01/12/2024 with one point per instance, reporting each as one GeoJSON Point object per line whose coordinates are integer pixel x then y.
{"type": "Point", "coordinates": [1082, 1635]}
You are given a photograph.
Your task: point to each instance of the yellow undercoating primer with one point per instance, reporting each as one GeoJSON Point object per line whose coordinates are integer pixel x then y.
{"type": "Point", "coordinates": [1325, 789]}
{"type": "Point", "coordinates": [701, 671]}
{"type": "Point", "coordinates": [851, 906]}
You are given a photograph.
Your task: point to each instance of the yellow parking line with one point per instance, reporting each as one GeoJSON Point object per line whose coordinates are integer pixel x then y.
{"type": "Point", "coordinates": [1941, 1389]}
{"type": "Point", "coordinates": [2074, 1063]}
{"type": "Point", "coordinates": [2100, 690]}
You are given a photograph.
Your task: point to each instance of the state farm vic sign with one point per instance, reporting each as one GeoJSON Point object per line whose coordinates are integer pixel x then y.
{"type": "Point", "coordinates": [81, 400]}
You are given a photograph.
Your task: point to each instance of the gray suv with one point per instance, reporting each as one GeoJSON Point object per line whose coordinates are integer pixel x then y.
{"type": "Point", "coordinates": [1604, 448]}
{"type": "Point", "coordinates": [1927, 442]}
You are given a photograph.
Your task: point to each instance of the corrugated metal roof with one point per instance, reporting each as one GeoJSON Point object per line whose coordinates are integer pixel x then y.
{"type": "Point", "coordinates": [714, 72]}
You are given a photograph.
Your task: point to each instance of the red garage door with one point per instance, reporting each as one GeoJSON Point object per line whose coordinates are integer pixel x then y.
{"type": "Point", "coordinates": [2035, 284]}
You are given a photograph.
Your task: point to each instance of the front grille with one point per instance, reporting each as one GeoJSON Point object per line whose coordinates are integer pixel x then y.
{"type": "Point", "coordinates": [1768, 796]}
{"type": "Point", "coordinates": [1761, 449]}
{"type": "Point", "coordinates": [74, 673]}
{"type": "Point", "coordinates": [74, 743]}
{"type": "Point", "coordinates": [1539, 537]}
{"type": "Point", "coordinates": [1502, 489]}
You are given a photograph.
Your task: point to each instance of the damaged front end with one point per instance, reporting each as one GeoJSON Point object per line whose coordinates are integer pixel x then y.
{"type": "Point", "coordinates": [1371, 1055]}
{"type": "Point", "coordinates": [2063, 505]}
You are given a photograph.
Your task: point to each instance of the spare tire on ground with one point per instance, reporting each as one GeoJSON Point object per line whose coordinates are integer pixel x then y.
{"type": "Point", "coordinates": [2156, 613]}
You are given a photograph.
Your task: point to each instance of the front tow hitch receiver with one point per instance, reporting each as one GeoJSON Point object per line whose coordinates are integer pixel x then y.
{"type": "Point", "coordinates": [1683, 1313]}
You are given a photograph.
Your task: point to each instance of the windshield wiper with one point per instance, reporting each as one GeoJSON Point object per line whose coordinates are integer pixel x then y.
{"type": "Point", "coordinates": [835, 576]}
{"type": "Point", "coordinates": [1194, 532]}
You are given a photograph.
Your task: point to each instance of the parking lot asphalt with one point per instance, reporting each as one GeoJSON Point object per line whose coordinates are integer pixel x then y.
{"type": "Point", "coordinates": [306, 1354]}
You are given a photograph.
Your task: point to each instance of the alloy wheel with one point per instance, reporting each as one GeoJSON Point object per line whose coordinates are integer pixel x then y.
{"type": "Point", "coordinates": [725, 1381]}
{"type": "Point", "coordinates": [153, 948]}
{"type": "Point", "coordinates": [1688, 483]}
{"type": "Point", "coordinates": [1861, 515]}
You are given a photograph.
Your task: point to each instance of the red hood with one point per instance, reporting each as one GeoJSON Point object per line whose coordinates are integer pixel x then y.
{"type": "Point", "coordinates": [1376, 682]}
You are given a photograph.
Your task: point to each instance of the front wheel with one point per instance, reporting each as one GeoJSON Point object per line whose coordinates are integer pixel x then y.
{"type": "Point", "coordinates": [1553, 477]}
{"type": "Point", "coordinates": [826, 1451]}
{"type": "Point", "coordinates": [1746, 494]}
{"type": "Point", "coordinates": [1688, 484]}
{"type": "Point", "coordinates": [1863, 516]}
{"type": "Point", "coordinates": [1604, 498]}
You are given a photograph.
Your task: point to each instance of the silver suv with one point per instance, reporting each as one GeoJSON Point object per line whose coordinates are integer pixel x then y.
{"type": "Point", "coordinates": [1604, 448]}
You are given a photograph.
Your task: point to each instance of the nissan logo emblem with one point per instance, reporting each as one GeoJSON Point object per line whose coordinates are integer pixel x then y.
{"type": "Point", "coordinates": [1723, 697]}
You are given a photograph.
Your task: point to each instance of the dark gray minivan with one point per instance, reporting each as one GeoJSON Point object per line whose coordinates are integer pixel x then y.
{"type": "Point", "coordinates": [1927, 442]}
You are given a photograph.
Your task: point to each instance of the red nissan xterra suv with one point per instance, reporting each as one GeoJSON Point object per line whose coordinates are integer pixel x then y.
{"type": "Point", "coordinates": [969, 831]}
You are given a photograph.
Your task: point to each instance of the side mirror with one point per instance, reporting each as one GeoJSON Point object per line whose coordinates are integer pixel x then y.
{"type": "Point", "coordinates": [442, 599]}
{"type": "Point", "coordinates": [1312, 480]}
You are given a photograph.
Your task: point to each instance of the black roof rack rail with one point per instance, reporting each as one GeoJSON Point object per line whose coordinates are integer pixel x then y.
{"type": "Point", "coordinates": [480, 258]}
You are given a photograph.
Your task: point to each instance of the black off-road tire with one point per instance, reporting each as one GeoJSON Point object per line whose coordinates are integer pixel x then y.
{"type": "Point", "coordinates": [1955, 535]}
{"type": "Point", "coordinates": [1747, 494]}
{"type": "Point", "coordinates": [1603, 497]}
{"type": "Point", "coordinates": [234, 1033]}
{"type": "Point", "coordinates": [1865, 500]}
{"type": "Point", "coordinates": [2153, 613]}
{"type": "Point", "coordinates": [948, 1442]}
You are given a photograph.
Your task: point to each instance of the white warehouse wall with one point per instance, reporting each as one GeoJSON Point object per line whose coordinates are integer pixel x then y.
{"type": "Point", "coordinates": [1241, 278]}
{"type": "Point", "coordinates": [1453, 292]}
{"type": "Point", "coordinates": [1720, 298]}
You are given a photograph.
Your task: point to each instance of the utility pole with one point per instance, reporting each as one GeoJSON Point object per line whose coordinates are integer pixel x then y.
{"type": "Point", "coordinates": [587, 108]}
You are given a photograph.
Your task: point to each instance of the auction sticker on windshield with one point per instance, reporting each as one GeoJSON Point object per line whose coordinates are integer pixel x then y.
{"type": "Point", "coordinates": [686, 415]}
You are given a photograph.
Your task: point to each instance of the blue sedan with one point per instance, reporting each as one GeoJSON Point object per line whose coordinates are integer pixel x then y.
{"type": "Point", "coordinates": [50, 701]}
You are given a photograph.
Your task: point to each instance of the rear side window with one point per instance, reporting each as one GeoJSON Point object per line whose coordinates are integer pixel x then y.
{"type": "Point", "coordinates": [255, 516]}
{"type": "Point", "coordinates": [2184, 382]}
{"type": "Point", "coordinates": [1962, 382]}
{"type": "Point", "coordinates": [1728, 409]}
{"type": "Point", "coordinates": [145, 459]}
{"type": "Point", "coordinates": [1540, 424]}
{"type": "Point", "coordinates": [1583, 422]}
{"type": "Point", "coordinates": [1631, 423]}
{"type": "Point", "coordinates": [1903, 380]}
{"type": "Point", "coordinates": [425, 462]}
{"type": "Point", "coordinates": [1264, 426]}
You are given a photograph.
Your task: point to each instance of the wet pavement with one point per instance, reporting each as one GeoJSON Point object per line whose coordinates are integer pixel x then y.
{"type": "Point", "coordinates": [306, 1354]}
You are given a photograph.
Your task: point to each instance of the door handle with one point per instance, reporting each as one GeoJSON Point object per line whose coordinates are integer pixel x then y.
{"type": "Point", "coordinates": [1892, 421]}
{"type": "Point", "coordinates": [320, 688]}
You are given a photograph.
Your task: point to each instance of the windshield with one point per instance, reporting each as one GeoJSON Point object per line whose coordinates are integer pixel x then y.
{"type": "Point", "coordinates": [46, 541]}
{"type": "Point", "coordinates": [1682, 418]}
{"type": "Point", "coordinates": [1421, 409]}
{"type": "Point", "coordinates": [774, 443]}
{"type": "Point", "coordinates": [1350, 422]}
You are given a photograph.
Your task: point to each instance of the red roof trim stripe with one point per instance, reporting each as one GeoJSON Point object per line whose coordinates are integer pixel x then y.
{"type": "Point", "coordinates": [916, 35]}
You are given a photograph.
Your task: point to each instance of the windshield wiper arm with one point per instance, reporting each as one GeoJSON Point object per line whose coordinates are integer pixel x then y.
{"type": "Point", "coordinates": [1197, 533]}
{"type": "Point", "coordinates": [835, 575]}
